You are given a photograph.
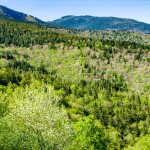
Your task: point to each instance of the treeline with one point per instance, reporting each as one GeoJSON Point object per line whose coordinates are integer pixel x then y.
{"type": "Point", "coordinates": [21, 34]}
{"type": "Point", "coordinates": [115, 35]}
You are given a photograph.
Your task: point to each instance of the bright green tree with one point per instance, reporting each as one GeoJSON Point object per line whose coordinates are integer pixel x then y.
{"type": "Point", "coordinates": [90, 135]}
{"type": "Point", "coordinates": [35, 121]}
{"type": "Point", "coordinates": [142, 144]}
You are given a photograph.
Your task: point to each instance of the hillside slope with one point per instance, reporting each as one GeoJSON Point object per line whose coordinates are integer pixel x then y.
{"type": "Point", "coordinates": [101, 23]}
{"type": "Point", "coordinates": [14, 15]}
{"type": "Point", "coordinates": [59, 90]}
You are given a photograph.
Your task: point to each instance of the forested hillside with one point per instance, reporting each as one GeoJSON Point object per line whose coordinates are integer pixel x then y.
{"type": "Point", "coordinates": [101, 23]}
{"type": "Point", "coordinates": [8, 13]}
{"type": "Point", "coordinates": [114, 35]}
{"type": "Point", "coordinates": [21, 34]}
{"type": "Point", "coordinates": [72, 91]}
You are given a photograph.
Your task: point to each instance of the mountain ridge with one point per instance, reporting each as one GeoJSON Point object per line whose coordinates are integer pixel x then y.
{"type": "Point", "coordinates": [88, 22]}
{"type": "Point", "coordinates": [7, 13]}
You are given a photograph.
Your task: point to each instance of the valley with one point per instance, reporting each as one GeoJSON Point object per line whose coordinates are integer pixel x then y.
{"type": "Point", "coordinates": [73, 89]}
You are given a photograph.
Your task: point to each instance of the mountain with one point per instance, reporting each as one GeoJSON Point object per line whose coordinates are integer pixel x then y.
{"type": "Point", "coordinates": [101, 23]}
{"type": "Point", "coordinates": [79, 22]}
{"type": "Point", "coordinates": [7, 13]}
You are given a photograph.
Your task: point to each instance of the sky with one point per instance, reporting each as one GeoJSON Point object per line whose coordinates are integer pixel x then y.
{"type": "Point", "coordinates": [48, 10]}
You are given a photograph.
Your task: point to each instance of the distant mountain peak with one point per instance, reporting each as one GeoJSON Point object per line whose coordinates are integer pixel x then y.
{"type": "Point", "coordinates": [8, 13]}
{"type": "Point", "coordinates": [85, 22]}
{"type": "Point", "coordinates": [68, 16]}
{"type": "Point", "coordinates": [88, 22]}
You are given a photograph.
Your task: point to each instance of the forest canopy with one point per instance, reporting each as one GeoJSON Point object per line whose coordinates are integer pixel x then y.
{"type": "Point", "coordinates": [71, 91]}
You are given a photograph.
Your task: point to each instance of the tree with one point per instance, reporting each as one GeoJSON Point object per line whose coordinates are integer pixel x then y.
{"type": "Point", "coordinates": [142, 144]}
{"type": "Point", "coordinates": [35, 121]}
{"type": "Point", "coordinates": [89, 135]}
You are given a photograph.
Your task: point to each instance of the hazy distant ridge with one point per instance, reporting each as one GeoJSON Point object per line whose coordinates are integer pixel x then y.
{"type": "Point", "coordinates": [101, 23]}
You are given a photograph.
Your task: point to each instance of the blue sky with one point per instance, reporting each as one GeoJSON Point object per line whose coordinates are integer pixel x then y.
{"type": "Point", "coordinates": [48, 10]}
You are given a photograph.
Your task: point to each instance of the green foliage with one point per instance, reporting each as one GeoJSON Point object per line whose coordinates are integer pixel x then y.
{"type": "Point", "coordinates": [56, 80]}
{"type": "Point", "coordinates": [21, 34]}
{"type": "Point", "coordinates": [142, 144]}
{"type": "Point", "coordinates": [89, 135]}
{"type": "Point", "coordinates": [34, 120]}
{"type": "Point", "coordinates": [3, 104]}
{"type": "Point", "coordinates": [9, 75]}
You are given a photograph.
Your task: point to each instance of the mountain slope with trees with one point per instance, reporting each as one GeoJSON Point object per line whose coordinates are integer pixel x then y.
{"type": "Point", "coordinates": [101, 23]}
{"type": "Point", "coordinates": [79, 22]}
{"type": "Point", "coordinates": [15, 15]}
{"type": "Point", "coordinates": [117, 35]}
{"type": "Point", "coordinates": [94, 92]}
